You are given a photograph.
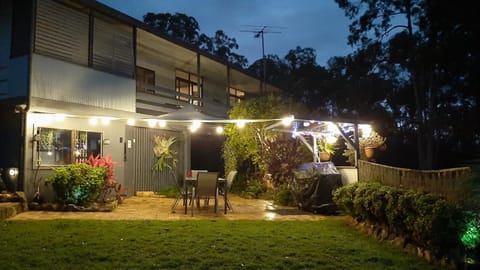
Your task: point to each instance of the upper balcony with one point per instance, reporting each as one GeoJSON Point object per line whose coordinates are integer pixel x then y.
{"type": "Point", "coordinates": [169, 75]}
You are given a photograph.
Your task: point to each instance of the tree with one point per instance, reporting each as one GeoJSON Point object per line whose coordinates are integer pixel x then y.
{"type": "Point", "coordinates": [247, 147]}
{"type": "Point", "coordinates": [187, 29]}
{"type": "Point", "coordinates": [426, 49]}
{"type": "Point", "coordinates": [222, 46]}
{"type": "Point", "coordinates": [178, 25]}
{"type": "Point", "coordinates": [297, 73]}
{"type": "Point", "coordinates": [277, 69]}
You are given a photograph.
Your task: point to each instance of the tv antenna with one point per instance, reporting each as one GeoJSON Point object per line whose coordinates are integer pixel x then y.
{"type": "Point", "coordinates": [260, 31]}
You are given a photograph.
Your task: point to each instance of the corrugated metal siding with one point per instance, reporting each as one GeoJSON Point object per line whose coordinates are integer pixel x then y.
{"type": "Point", "coordinates": [113, 47]}
{"type": "Point", "coordinates": [61, 32]}
{"type": "Point", "coordinates": [53, 79]}
{"type": "Point", "coordinates": [140, 159]}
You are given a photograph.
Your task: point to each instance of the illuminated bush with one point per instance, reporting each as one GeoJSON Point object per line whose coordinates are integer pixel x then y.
{"type": "Point", "coordinates": [471, 233]}
{"type": "Point", "coordinates": [77, 183]}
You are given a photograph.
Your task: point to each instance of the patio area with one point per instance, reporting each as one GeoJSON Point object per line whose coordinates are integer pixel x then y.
{"type": "Point", "coordinates": [158, 208]}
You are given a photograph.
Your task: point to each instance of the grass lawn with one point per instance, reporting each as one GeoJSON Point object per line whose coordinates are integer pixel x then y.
{"type": "Point", "coordinates": [204, 244]}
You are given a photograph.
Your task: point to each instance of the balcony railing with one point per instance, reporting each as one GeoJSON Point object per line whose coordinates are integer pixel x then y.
{"type": "Point", "coordinates": [159, 99]}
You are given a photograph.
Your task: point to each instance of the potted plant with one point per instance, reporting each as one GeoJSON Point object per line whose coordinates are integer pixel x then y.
{"type": "Point", "coordinates": [372, 143]}
{"type": "Point", "coordinates": [326, 148]}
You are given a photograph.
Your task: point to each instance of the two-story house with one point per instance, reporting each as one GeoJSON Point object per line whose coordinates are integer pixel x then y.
{"type": "Point", "coordinates": [79, 78]}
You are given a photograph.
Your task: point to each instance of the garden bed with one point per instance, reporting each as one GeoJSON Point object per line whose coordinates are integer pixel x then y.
{"type": "Point", "coordinates": [108, 206]}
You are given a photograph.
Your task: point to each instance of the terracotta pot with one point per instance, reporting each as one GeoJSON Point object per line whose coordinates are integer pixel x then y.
{"type": "Point", "coordinates": [370, 152]}
{"type": "Point", "coordinates": [324, 156]}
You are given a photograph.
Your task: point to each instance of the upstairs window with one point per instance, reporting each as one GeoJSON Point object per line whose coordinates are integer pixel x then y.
{"type": "Point", "coordinates": [144, 76]}
{"type": "Point", "coordinates": [235, 96]}
{"type": "Point", "coordinates": [187, 85]}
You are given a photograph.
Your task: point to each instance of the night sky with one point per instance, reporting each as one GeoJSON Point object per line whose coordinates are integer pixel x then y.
{"type": "Point", "coordinates": [318, 24]}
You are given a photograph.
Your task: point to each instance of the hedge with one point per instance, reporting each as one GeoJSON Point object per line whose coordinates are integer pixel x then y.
{"type": "Point", "coordinates": [426, 220]}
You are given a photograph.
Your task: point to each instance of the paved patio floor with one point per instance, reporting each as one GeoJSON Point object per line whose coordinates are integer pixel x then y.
{"type": "Point", "coordinates": [158, 208]}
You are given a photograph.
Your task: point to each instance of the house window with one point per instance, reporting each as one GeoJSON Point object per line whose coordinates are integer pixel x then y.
{"type": "Point", "coordinates": [186, 84]}
{"type": "Point", "coordinates": [144, 76]}
{"type": "Point", "coordinates": [64, 146]}
{"type": "Point", "coordinates": [235, 96]}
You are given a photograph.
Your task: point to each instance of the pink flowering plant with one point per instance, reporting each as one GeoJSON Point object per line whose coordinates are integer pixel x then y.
{"type": "Point", "coordinates": [105, 162]}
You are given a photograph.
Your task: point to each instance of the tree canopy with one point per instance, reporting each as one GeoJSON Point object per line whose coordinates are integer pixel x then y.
{"type": "Point", "coordinates": [427, 51]}
{"type": "Point", "coordinates": [186, 29]}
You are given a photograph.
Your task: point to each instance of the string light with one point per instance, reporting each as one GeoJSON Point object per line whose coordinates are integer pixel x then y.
{"type": "Point", "coordinates": [93, 121]}
{"type": "Point", "coordinates": [240, 123]}
{"type": "Point", "coordinates": [287, 121]}
{"type": "Point", "coordinates": [131, 122]}
{"type": "Point", "coordinates": [152, 122]}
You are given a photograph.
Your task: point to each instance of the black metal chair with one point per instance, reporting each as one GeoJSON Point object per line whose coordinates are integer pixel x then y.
{"type": "Point", "coordinates": [226, 188]}
{"type": "Point", "coordinates": [182, 192]}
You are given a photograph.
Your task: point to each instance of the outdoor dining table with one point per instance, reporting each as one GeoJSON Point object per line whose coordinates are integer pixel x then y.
{"type": "Point", "coordinates": [191, 182]}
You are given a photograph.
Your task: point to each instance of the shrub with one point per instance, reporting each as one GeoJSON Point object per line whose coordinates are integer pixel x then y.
{"type": "Point", "coordinates": [343, 197]}
{"type": "Point", "coordinates": [77, 183]}
{"type": "Point", "coordinates": [254, 188]}
{"type": "Point", "coordinates": [283, 196]}
{"type": "Point", "coordinates": [429, 220]}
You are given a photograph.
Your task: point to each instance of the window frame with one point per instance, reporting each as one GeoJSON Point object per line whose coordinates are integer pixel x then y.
{"type": "Point", "coordinates": [72, 151]}
{"type": "Point", "coordinates": [144, 79]}
{"type": "Point", "coordinates": [191, 83]}
{"type": "Point", "coordinates": [237, 96]}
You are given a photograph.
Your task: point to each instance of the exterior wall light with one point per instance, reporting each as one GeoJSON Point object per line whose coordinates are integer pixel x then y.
{"type": "Point", "coordinates": [219, 130]}
{"type": "Point", "coordinates": [162, 123]}
{"type": "Point", "coordinates": [13, 172]}
{"type": "Point", "coordinates": [11, 178]}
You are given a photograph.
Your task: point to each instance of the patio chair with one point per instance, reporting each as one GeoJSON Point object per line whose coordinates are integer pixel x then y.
{"type": "Point", "coordinates": [207, 186]}
{"type": "Point", "coordinates": [183, 194]}
{"type": "Point", "coordinates": [226, 188]}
